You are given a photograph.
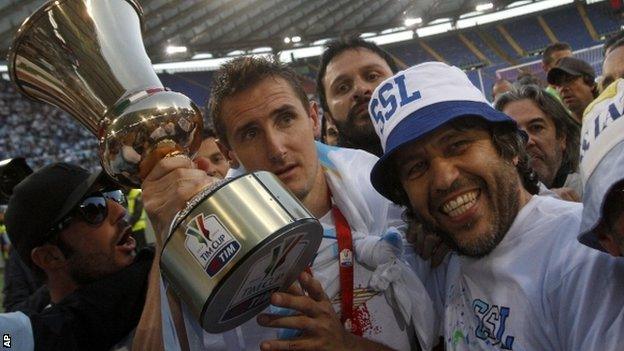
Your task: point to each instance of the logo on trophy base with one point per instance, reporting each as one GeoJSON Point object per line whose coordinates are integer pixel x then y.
{"type": "Point", "coordinates": [210, 243]}
{"type": "Point", "coordinates": [266, 277]}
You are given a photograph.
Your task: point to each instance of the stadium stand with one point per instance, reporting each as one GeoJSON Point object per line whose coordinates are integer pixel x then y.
{"type": "Point", "coordinates": [408, 53]}
{"type": "Point", "coordinates": [499, 40]}
{"type": "Point", "coordinates": [44, 134]}
{"type": "Point", "coordinates": [528, 34]}
{"type": "Point", "coordinates": [454, 51]}
{"type": "Point", "coordinates": [575, 35]}
{"type": "Point", "coordinates": [603, 18]}
{"type": "Point", "coordinates": [485, 49]}
{"type": "Point", "coordinates": [195, 85]}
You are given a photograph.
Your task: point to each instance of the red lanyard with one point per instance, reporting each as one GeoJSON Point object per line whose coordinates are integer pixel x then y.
{"type": "Point", "coordinates": [345, 261]}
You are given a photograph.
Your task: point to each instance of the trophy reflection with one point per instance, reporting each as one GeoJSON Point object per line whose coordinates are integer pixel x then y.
{"type": "Point", "coordinates": [87, 57]}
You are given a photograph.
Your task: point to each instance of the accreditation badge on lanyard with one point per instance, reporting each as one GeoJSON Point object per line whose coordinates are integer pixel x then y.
{"type": "Point", "coordinates": [345, 260]}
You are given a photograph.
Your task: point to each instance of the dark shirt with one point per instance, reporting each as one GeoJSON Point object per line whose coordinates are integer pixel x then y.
{"type": "Point", "coordinates": [96, 316]}
{"type": "Point", "coordinates": [20, 284]}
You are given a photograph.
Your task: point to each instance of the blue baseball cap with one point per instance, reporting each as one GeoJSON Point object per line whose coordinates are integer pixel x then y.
{"type": "Point", "coordinates": [602, 157]}
{"type": "Point", "coordinates": [415, 102]}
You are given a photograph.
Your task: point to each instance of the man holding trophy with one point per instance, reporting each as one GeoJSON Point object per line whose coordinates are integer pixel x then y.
{"type": "Point", "coordinates": [230, 247]}
{"type": "Point", "coordinates": [265, 122]}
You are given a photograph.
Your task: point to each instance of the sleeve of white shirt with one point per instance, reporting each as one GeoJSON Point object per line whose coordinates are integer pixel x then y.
{"type": "Point", "coordinates": [170, 336]}
{"type": "Point", "coordinates": [588, 304]}
{"type": "Point", "coordinates": [16, 331]}
{"type": "Point", "coordinates": [434, 280]}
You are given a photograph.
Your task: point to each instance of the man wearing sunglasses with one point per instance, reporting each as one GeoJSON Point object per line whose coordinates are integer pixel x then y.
{"type": "Point", "coordinates": [70, 227]}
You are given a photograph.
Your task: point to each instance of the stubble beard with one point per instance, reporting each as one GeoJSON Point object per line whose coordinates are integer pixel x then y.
{"type": "Point", "coordinates": [310, 184]}
{"type": "Point", "coordinates": [86, 269]}
{"type": "Point", "coordinates": [504, 211]}
{"type": "Point", "coordinates": [542, 165]}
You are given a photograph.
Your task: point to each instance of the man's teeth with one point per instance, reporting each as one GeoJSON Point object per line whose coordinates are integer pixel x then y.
{"type": "Point", "coordinates": [460, 204]}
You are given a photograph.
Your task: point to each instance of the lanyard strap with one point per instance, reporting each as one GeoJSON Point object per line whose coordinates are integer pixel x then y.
{"type": "Point", "coordinates": [345, 260]}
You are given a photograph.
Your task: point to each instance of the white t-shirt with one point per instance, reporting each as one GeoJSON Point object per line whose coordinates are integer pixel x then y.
{"type": "Point", "coordinates": [347, 172]}
{"type": "Point", "coordinates": [378, 320]}
{"type": "Point", "coordinates": [539, 289]}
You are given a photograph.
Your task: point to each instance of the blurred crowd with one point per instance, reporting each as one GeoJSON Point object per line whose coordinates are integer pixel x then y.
{"type": "Point", "coordinates": [42, 133]}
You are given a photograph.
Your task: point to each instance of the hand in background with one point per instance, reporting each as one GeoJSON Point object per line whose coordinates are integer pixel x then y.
{"type": "Point", "coordinates": [567, 194]}
{"type": "Point", "coordinates": [427, 245]}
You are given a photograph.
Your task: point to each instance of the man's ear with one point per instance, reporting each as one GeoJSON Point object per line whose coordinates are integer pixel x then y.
{"type": "Point", "coordinates": [229, 154]}
{"type": "Point", "coordinates": [313, 112]}
{"type": "Point", "coordinates": [609, 244]}
{"type": "Point", "coordinates": [48, 257]}
{"type": "Point", "coordinates": [606, 240]}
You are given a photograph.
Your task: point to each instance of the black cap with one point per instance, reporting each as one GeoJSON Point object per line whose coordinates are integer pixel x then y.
{"type": "Point", "coordinates": [42, 200]}
{"type": "Point", "coordinates": [570, 66]}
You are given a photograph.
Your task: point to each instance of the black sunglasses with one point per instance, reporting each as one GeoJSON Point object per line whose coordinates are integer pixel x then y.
{"type": "Point", "coordinates": [93, 209]}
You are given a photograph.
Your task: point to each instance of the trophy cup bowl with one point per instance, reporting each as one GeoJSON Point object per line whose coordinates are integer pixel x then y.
{"type": "Point", "coordinates": [237, 241]}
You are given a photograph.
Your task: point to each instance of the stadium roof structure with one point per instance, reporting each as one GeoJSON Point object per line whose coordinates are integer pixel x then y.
{"type": "Point", "coordinates": [176, 30]}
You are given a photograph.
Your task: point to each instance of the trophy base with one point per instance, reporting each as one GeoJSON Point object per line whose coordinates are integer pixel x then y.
{"type": "Point", "coordinates": [269, 267]}
{"type": "Point", "coordinates": [234, 245]}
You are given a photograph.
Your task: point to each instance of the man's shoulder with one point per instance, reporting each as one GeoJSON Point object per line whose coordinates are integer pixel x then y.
{"type": "Point", "coordinates": [553, 223]}
{"type": "Point", "coordinates": [543, 238]}
{"type": "Point", "coordinates": [549, 210]}
{"type": "Point", "coordinates": [553, 203]}
{"type": "Point", "coordinates": [543, 223]}
{"type": "Point", "coordinates": [335, 157]}
{"type": "Point", "coordinates": [567, 257]}
{"type": "Point", "coordinates": [348, 173]}
{"type": "Point", "coordinates": [351, 168]}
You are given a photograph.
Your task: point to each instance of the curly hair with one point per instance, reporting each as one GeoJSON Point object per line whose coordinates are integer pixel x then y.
{"type": "Point", "coordinates": [509, 143]}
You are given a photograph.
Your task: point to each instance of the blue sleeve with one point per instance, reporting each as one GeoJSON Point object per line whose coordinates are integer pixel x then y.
{"type": "Point", "coordinates": [16, 331]}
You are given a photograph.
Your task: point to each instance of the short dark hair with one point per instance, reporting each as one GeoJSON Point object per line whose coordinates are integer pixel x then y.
{"type": "Point", "coordinates": [565, 124]}
{"type": "Point", "coordinates": [606, 81]}
{"type": "Point", "coordinates": [547, 58]}
{"type": "Point", "coordinates": [208, 133]}
{"type": "Point", "coordinates": [616, 44]}
{"type": "Point", "coordinates": [241, 74]}
{"type": "Point", "coordinates": [338, 46]}
{"type": "Point", "coordinates": [528, 78]}
{"type": "Point", "coordinates": [508, 142]}
{"type": "Point", "coordinates": [611, 42]}
{"type": "Point", "coordinates": [613, 206]}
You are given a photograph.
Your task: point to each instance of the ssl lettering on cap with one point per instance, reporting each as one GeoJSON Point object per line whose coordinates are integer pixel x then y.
{"type": "Point", "coordinates": [384, 105]}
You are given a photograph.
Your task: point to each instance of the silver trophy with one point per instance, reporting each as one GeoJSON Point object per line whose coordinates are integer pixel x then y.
{"type": "Point", "coordinates": [236, 242]}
